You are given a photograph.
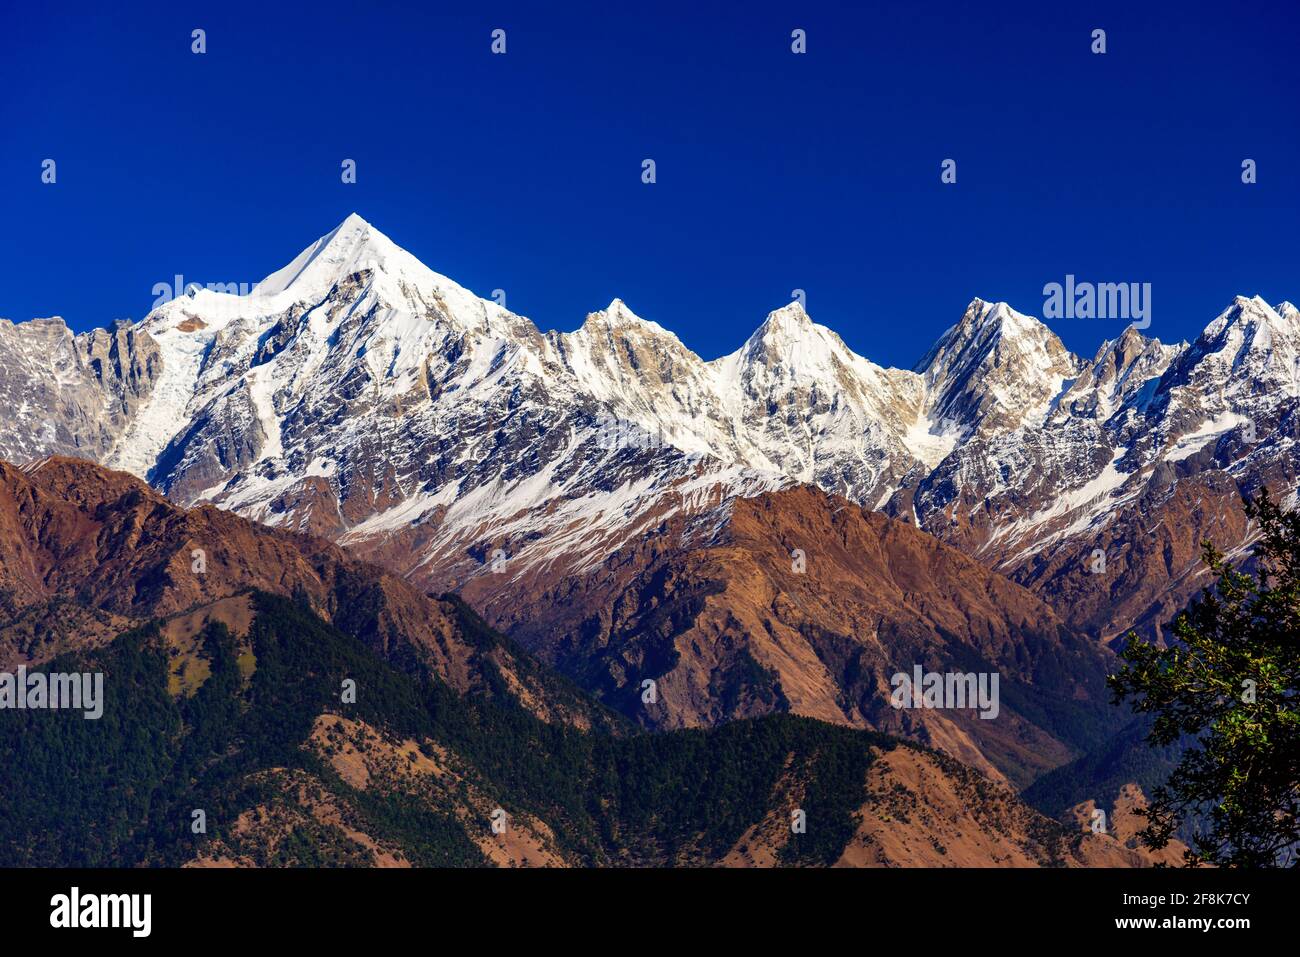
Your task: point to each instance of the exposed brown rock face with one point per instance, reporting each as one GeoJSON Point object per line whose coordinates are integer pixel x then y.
{"type": "Point", "coordinates": [77, 537]}
{"type": "Point", "coordinates": [921, 810]}
{"type": "Point", "coordinates": [86, 553]}
{"type": "Point", "coordinates": [1121, 824]}
{"type": "Point", "coordinates": [1152, 559]}
{"type": "Point", "coordinates": [804, 602]}
{"type": "Point", "coordinates": [926, 810]}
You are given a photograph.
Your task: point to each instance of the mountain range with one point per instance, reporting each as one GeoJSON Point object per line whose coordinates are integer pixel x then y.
{"type": "Point", "coordinates": [777, 530]}
{"type": "Point", "coordinates": [225, 697]}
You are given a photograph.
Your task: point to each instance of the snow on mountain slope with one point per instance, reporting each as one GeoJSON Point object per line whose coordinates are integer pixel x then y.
{"type": "Point", "coordinates": [996, 370]}
{"type": "Point", "coordinates": [1116, 375]}
{"type": "Point", "coordinates": [793, 400]}
{"type": "Point", "coordinates": [822, 413]}
{"type": "Point", "coordinates": [1245, 362]}
{"type": "Point", "coordinates": [183, 331]}
{"type": "Point", "coordinates": [648, 377]}
{"type": "Point", "coordinates": [357, 394]}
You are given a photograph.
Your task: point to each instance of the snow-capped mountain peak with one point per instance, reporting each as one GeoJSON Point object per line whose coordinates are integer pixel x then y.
{"type": "Point", "coordinates": [789, 340]}
{"type": "Point", "coordinates": [1124, 369]}
{"type": "Point", "coordinates": [354, 246]}
{"type": "Point", "coordinates": [995, 369]}
{"type": "Point", "coordinates": [406, 290]}
{"type": "Point", "coordinates": [791, 316]}
{"type": "Point", "coordinates": [618, 315]}
{"type": "Point", "coordinates": [362, 396]}
{"type": "Point", "coordinates": [1248, 325]}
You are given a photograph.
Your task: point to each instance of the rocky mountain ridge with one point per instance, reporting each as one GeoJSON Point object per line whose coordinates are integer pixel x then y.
{"type": "Point", "coordinates": [357, 395]}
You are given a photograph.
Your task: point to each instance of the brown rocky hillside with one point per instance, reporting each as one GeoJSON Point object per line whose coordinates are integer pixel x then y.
{"type": "Point", "coordinates": [803, 602]}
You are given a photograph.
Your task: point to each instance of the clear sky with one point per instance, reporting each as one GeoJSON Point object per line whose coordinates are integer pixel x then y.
{"type": "Point", "coordinates": [775, 171]}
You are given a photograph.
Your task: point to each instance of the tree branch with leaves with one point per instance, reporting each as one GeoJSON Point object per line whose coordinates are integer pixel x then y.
{"type": "Point", "coordinates": [1229, 682]}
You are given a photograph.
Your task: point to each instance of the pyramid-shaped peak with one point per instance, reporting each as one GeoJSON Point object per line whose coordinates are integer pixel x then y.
{"type": "Point", "coordinates": [996, 366]}
{"type": "Point", "coordinates": [1244, 311]}
{"type": "Point", "coordinates": [351, 246]}
{"type": "Point", "coordinates": [996, 316]}
{"type": "Point", "coordinates": [983, 326]}
{"type": "Point", "coordinates": [1130, 346]}
{"type": "Point", "coordinates": [789, 336]}
{"type": "Point", "coordinates": [1132, 340]}
{"type": "Point", "coordinates": [617, 308]}
{"type": "Point", "coordinates": [1248, 304]}
{"type": "Point", "coordinates": [352, 233]}
{"type": "Point", "coordinates": [618, 315]}
{"type": "Point", "coordinates": [792, 311]}
{"type": "Point", "coordinates": [790, 320]}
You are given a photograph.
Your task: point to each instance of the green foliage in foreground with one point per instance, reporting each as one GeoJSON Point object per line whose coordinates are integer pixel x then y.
{"type": "Point", "coordinates": [120, 790]}
{"type": "Point", "coordinates": [1231, 679]}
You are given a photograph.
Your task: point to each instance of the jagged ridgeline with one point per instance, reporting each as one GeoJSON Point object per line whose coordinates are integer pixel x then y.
{"type": "Point", "coordinates": [358, 395]}
{"type": "Point", "coordinates": [252, 730]}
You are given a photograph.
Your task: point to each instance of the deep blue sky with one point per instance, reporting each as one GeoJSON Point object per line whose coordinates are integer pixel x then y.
{"type": "Point", "coordinates": [775, 171]}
